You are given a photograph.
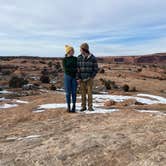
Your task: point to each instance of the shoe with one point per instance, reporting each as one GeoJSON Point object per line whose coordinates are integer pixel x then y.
{"type": "Point", "coordinates": [72, 112]}
{"type": "Point", "coordinates": [68, 108]}
{"type": "Point", "coordinates": [91, 109]}
{"type": "Point", "coordinates": [73, 108]}
{"type": "Point", "coordinates": [83, 109]}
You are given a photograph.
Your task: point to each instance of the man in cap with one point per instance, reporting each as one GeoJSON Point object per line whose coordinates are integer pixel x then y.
{"type": "Point", "coordinates": [87, 70]}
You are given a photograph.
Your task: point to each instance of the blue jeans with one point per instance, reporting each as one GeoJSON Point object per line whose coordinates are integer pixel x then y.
{"type": "Point", "coordinates": [70, 84]}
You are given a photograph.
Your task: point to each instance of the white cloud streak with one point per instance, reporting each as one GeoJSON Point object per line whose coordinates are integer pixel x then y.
{"type": "Point", "coordinates": [111, 27]}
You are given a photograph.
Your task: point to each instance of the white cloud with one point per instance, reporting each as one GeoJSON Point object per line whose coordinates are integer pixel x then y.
{"type": "Point", "coordinates": [111, 27]}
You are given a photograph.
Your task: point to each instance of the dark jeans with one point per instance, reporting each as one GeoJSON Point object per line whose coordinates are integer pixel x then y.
{"type": "Point", "coordinates": [70, 88]}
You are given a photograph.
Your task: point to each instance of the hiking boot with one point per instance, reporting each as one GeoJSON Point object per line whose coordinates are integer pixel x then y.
{"type": "Point", "coordinates": [68, 108]}
{"type": "Point", "coordinates": [82, 109]}
{"type": "Point", "coordinates": [73, 110]}
{"type": "Point", "coordinates": [91, 109]}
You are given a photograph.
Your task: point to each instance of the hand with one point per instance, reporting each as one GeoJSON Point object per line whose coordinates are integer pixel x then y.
{"type": "Point", "coordinates": [78, 81]}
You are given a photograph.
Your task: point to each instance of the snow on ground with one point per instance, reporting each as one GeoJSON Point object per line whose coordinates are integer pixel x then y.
{"type": "Point", "coordinates": [13, 103]}
{"type": "Point", "coordinates": [22, 102]}
{"type": "Point", "coordinates": [60, 89]}
{"type": "Point", "coordinates": [99, 100]}
{"type": "Point", "coordinates": [97, 108]}
{"type": "Point", "coordinates": [52, 106]}
{"type": "Point", "coordinates": [3, 106]}
{"type": "Point", "coordinates": [22, 138]}
{"type": "Point", "coordinates": [5, 92]}
{"type": "Point", "coordinates": [151, 111]}
{"type": "Point", "coordinates": [3, 99]}
{"type": "Point", "coordinates": [39, 110]}
{"type": "Point", "coordinates": [160, 99]}
{"type": "Point", "coordinates": [120, 98]}
{"type": "Point", "coordinates": [101, 111]}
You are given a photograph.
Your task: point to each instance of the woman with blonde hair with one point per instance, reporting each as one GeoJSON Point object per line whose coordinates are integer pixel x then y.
{"type": "Point", "coordinates": [70, 82]}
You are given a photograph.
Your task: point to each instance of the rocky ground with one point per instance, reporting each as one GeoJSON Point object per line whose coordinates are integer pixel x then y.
{"type": "Point", "coordinates": [128, 126]}
{"type": "Point", "coordinates": [54, 137]}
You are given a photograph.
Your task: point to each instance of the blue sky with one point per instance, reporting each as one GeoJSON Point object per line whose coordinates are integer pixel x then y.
{"type": "Point", "coordinates": [111, 27]}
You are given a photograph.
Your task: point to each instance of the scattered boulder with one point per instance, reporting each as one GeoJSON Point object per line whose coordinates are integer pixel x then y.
{"type": "Point", "coordinates": [30, 87]}
{"type": "Point", "coordinates": [139, 70]}
{"type": "Point", "coordinates": [129, 102]}
{"type": "Point", "coordinates": [53, 87]}
{"type": "Point", "coordinates": [108, 84]}
{"type": "Point", "coordinates": [109, 103]}
{"type": "Point", "coordinates": [101, 70]}
{"type": "Point", "coordinates": [45, 79]}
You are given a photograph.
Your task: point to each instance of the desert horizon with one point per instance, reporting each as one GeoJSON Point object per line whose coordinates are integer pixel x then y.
{"type": "Point", "coordinates": [102, 56]}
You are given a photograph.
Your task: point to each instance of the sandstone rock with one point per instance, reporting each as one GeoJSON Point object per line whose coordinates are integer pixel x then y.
{"type": "Point", "coordinates": [129, 102]}
{"type": "Point", "coordinates": [109, 103]}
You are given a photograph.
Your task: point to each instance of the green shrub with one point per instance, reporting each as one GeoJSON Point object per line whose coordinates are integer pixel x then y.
{"type": "Point", "coordinates": [6, 72]}
{"type": "Point", "coordinates": [53, 87]}
{"type": "Point", "coordinates": [106, 83]}
{"type": "Point", "coordinates": [50, 64]}
{"type": "Point", "coordinates": [17, 82]}
{"type": "Point", "coordinates": [42, 62]}
{"type": "Point", "coordinates": [45, 71]}
{"type": "Point", "coordinates": [125, 88]}
{"type": "Point", "coordinates": [139, 69]}
{"type": "Point", "coordinates": [101, 70]}
{"type": "Point", "coordinates": [45, 79]}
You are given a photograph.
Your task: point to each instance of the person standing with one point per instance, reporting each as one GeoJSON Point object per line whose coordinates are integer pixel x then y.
{"type": "Point", "coordinates": [70, 82]}
{"type": "Point", "coordinates": [87, 70]}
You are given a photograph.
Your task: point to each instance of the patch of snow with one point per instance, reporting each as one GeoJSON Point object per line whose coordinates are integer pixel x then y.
{"type": "Point", "coordinates": [44, 90]}
{"type": "Point", "coordinates": [99, 99]}
{"type": "Point", "coordinates": [28, 137]}
{"type": "Point", "coordinates": [160, 99]}
{"type": "Point", "coordinates": [32, 136]}
{"type": "Point", "coordinates": [11, 138]}
{"type": "Point", "coordinates": [120, 98]}
{"type": "Point", "coordinates": [151, 111]}
{"type": "Point", "coordinates": [22, 102]}
{"type": "Point", "coordinates": [102, 98]}
{"type": "Point", "coordinates": [22, 138]}
{"type": "Point", "coordinates": [3, 99]}
{"type": "Point", "coordinates": [60, 89]}
{"type": "Point", "coordinates": [8, 106]}
{"type": "Point", "coordinates": [39, 110]}
{"type": "Point", "coordinates": [5, 92]}
{"type": "Point", "coordinates": [97, 108]}
{"type": "Point", "coordinates": [61, 105]}
{"type": "Point", "coordinates": [146, 101]}
{"type": "Point", "coordinates": [103, 92]}
{"type": "Point", "coordinates": [52, 106]}
{"type": "Point", "coordinates": [101, 111]}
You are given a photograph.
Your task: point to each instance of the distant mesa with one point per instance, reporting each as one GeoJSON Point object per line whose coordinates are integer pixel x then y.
{"type": "Point", "coordinates": [146, 59]}
{"type": "Point", "coordinates": [138, 59]}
